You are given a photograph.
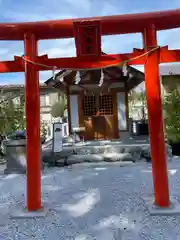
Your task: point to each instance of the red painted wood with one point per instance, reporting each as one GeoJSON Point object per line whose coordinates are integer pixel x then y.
{"type": "Point", "coordinates": [87, 38]}
{"type": "Point", "coordinates": [110, 25]}
{"type": "Point", "coordinates": [89, 62]}
{"type": "Point", "coordinates": [32, 94]}
{"type": "Point", "coordinates": [155, 121]}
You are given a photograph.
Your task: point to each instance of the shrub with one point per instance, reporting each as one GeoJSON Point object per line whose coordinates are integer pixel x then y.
{"type": "Point", "coordinates": [172, 115]}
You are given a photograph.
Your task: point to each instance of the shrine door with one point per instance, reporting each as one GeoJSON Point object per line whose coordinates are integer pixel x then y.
{"type": "Point", "coordinates": [98, 116]}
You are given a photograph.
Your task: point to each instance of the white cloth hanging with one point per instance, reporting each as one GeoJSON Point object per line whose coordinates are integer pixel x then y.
{"type": "Point", "coordinates": [53, 72]}
{"type": "Point", "coordinates": [101, 78]}
{"type": "Point", "coordinates": [78, 77]}
{"type": "Point", "coordinates": [125, 70]}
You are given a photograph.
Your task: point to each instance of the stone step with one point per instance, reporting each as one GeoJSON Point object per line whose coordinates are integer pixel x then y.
{"type": "Point", "coordinates": [136, 151]}
{"type": "Point", "coordinates": [102, 164]}
{"type": "Point", "coordinates": [96, 159]}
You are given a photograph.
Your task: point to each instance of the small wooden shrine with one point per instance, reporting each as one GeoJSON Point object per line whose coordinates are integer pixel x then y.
{"type": "Point", "coordinates": [97, 99]}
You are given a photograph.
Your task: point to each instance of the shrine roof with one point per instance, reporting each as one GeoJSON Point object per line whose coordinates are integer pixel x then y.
{"type": "Point", "coordinates": [111, 75]}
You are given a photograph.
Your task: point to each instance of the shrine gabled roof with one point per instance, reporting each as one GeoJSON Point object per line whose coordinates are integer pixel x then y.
{"type": "Point", "coordinates": [111, 74]}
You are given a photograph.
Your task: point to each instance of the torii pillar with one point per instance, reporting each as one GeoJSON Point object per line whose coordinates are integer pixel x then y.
{"type": "Point", "coordinates": [32, 104]}
{"type": "Point", "coordinates": [155, 119]}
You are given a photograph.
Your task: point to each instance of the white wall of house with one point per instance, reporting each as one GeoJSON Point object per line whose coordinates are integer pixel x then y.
{"type": "Point", "coordinates": [46, 101]}
{"type": "Point", "coordinates": [122, 117]}
{"type": "Point", "coordinates": [74, 111]}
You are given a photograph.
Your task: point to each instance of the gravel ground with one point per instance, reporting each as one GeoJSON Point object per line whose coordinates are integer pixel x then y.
{"type": "Point", "coordinates": [90, 202]}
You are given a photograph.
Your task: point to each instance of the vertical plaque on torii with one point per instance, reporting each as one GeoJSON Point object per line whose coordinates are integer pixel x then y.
{"type": "Point", "coordinates": [87, 38]}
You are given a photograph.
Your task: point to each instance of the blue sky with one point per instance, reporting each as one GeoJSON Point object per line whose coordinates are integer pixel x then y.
{"type": "Point", "coordinates": [36, 10]}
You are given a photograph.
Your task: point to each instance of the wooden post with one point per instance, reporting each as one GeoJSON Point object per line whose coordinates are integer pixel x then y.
{"type": "Point", "coordinates": [32, 104]}
{"type": "Point", "coordinates": [127, 105]}
{"type": "Point", "coordinates": [69, 110]}
{"type": "Point", "coordinates": [155, 120]}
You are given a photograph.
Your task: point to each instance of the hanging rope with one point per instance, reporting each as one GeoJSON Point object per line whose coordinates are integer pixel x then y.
{"type": "Point", "coordinates": [106, 66]}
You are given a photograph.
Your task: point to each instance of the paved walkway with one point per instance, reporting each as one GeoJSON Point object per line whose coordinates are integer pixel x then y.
{"type": "Point", "coordinates": [88, 202]}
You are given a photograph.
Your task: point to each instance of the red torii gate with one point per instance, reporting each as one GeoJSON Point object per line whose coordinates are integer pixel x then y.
{"type": "Point", "coordinates": [151, 55]}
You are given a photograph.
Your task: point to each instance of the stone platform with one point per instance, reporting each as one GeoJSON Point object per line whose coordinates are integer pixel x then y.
{"type": "Point", "coordinates": [128, 150]}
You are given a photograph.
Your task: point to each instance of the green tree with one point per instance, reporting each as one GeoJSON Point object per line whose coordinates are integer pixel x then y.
{"type": "Point", "coordinates": [11, 117]}
{"type": "Point", "coordinates": [171, 105]}
{"type": "Point", "coordinates": [141, 98]}
{"type": "Point", "coordinates": [43, 128]}
{"type": "Point", "coordinates": [59, 107]}
{"type": "Point", "coordinates": [135, 98]}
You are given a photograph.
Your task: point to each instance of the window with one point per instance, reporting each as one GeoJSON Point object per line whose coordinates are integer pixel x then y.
{"type": "Point", "coordinates": [89, 105]}
{"type": "Point", "coordinates": [47, 100]}
{"type": "Point", "coordinates": [106, 105]}
{"type": "Point", "coordinates": [53, 98]}
{"type": "Point", "coordinates": [44, 100]}
{"type": "Point", "coordinates": [101, 105]}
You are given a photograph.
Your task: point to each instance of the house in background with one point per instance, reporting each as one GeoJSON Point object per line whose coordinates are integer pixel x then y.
{"type": "Point", "coordinates": [170, 79]}
{"type": "Point", "coordinates": [48, 96]}
{"type": "Point", "coordinates": [169, 76]}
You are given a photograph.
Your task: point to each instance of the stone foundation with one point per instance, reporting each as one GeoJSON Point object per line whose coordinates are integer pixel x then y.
{"type": "Point", "coordinates": [96, 151]}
